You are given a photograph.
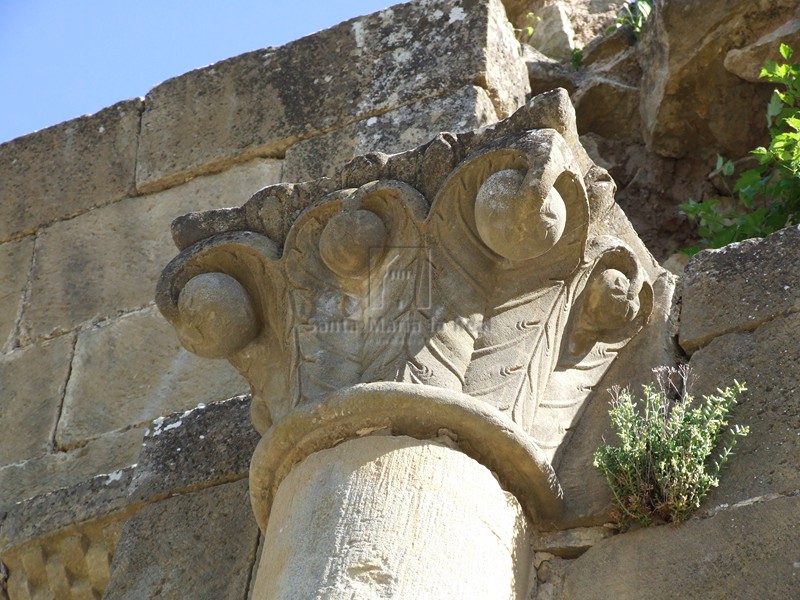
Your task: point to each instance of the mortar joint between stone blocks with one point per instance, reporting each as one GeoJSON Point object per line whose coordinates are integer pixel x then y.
{"type": "Point", "coordinates": [52, 444]}
{"type": "Point", "coordinates": [193, 487]}
{"type": "Point", "coordinates": [134, 188]}
{"type": "Point", "coordinates": [723, 508]}
{"type": "Point", "coordinates": [750, 327]}
{"type": "Point", "coordinates": [101, 321]}
{"type": "Point", "coordinates": [251, 575]}
{"type": "Point", "coordinates": [13, 341]}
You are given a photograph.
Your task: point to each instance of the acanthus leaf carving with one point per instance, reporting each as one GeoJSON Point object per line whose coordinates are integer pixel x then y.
{"type": "Point", "coordinates": [495, 292]}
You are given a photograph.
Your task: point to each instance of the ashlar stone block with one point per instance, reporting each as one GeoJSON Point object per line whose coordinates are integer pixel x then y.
{"type": "Point", "coordinates": [682, 52]}
{"type": "Point", "coordinates": [106, 262]}
{"type": "Point", "coordinates": [106, 454]}
{"type": "Point", "coordinates": [747, 552]}
{"type": "Point", "coordinates": [32, 382]}
{"type": "Point", "coordinates": [739, 287]}
{"type": "Point", "coordinates": [766, 361]}
{"type": "Point", "coordinates": [132, 370]}
{"type": "Point", "coordinates": [15, 259]}
{"type": "Point", "coordinates": [197, 448]}
{"type": "Point", "coordinates": [200, 543]}
{"type": "Point", "coordinates": [402, 129]}
{"type": "Point", "coordinates": [69, 168]}
{"type": "Point", "coordinates": [260, 103]}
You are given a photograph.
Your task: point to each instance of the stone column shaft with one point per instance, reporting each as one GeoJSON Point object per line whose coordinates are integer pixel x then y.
{"type": "Point", "coordinates": [393, 517]}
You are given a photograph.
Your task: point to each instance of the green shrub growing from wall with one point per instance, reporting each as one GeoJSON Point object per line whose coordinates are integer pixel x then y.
{"type": "Point", "coordinates": [665, 463]}
{"type": "Point", "coordinates": [766, 198]}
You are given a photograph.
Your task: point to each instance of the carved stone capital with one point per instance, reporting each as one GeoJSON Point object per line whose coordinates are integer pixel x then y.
{"type": "Point", "coordinates": [472, 288]}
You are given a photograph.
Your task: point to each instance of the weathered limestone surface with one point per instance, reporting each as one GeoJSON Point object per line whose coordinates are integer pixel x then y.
{"type": "Point", "coordinates": [184, 452]}
{"type": "Point", "coordinates": [767, 359]}
{"type": "Point", "coordinates": [68, 169]}
{"type": "Point", "coordinates": [549, 576]}
{"type": "Point", "coordinates": [607, 97]}
{"type": "Point", "coordinates": [258, 104]}
{"type": "Point", "coordinates": [545, 73]}
{"type": "Point", "coordinates": [131, 370]}
{"type": "Point", "coordinates": [106, 262]}
{"type": "Point", "coordinates": [609, 108]}
{"type": "Point", "coordinates": [188, 452]}
{"type": "Point", "coordinates": [588, 18]}
{"type": "Point", "coordinates": [108, 453]}
{"type": "Point", "coordinates": [747, 62]}
{"type": "Point", "coordinates": [103, 497]}
{"type": "Point", "coordinates": [487, 286]}
{"type": "Point", "coordinates": [211, 533]}
{"type": "Point", "coordinates": [401, 129]}
{"type": "Point", "coordinates": [609, 46]}
{"type": "Point", "coordinates": [553, 34]}
{"type": "Point", "coordinates": [504, 76]}
{"type": "Point", "coordinates": [59, 546]}
{"type": "Point", "coordinates": [745, 552]}
{"type": "Point", "coordinates": [197, 448]}
{"type": "Point", "coordinates": [33, 381]}
{"type": "Point", "coordinates": [15, 261]}
{"type": "Point", "coordinates": [747, 284]}
{"type": "Point", "coordinates": [393, 517]}
{"type": "Point", "coordinates": [683, 48]}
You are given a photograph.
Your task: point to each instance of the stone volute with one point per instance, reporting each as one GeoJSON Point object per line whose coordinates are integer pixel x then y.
{"type": "Point", "coordinates": [420, 340]}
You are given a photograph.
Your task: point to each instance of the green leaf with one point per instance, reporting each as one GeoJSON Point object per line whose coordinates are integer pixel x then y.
{"type": "Point", "coordinates": [727, 168]}
{"type": "Point", "coordinates": [767, 70]}
{"type": "Point", "coordinates": [793, 122]}
{"type": "Point", "coordinates": [786, 52]}
{"type": "Point", "coordinates": [747, 179]}
{"type": "Point", "coordinates": [774, 107]}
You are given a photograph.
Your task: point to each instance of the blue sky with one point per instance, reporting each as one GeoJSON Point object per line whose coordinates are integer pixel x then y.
{"type": "Point", "coordinates": [60, 59]}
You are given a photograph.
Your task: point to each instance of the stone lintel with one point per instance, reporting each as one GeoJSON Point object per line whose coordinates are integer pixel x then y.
{"type": "Point", "coordinates": [197, 448]}
{"type": "Point", "coordinates": [45, 514]}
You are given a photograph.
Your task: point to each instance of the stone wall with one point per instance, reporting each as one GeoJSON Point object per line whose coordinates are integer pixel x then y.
{"type": "Point", "coordinates": [87, 361]}
{"type": "Point", "coordinates": [85, 208]}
